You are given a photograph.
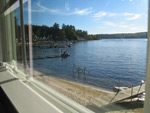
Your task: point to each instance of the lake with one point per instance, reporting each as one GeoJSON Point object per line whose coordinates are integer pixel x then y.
{"type": "Point", "coordinates": [108, 62]}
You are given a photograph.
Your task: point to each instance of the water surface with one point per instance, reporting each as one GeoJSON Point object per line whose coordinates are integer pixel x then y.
{"type": "Point", "coordinates": [109, 62]}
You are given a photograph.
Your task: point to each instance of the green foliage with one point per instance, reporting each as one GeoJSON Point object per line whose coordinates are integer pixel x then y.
{"type": "Point", "coordinates": [94, 37]}
{"type": "Point", "coordinates": [56, 33]}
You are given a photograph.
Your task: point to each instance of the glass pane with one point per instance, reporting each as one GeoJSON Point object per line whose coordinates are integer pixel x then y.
{"type": "Point", "coordinates": [83, 49]}
{"type": "Point", "coordinates": [19, 46]}
{"type": "Point", "coordinates": [93, 52]}
{"type": "Point", "coordinates": [11, 30]}
{"type": "Point", "coordinates": [8, 31]}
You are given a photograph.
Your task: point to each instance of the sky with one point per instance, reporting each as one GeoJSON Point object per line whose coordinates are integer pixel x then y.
{"type": "Point", "coordinates": [94, 16]}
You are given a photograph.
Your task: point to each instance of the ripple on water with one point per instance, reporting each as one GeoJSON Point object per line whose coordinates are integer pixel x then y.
{"type": "Point", "coordinates": [109, 62]}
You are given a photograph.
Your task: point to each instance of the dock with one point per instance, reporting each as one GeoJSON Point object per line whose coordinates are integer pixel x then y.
{"type": "Point", "coordinates": [118, 96]}
{"type": "Point", "coordinates": [47, 56]}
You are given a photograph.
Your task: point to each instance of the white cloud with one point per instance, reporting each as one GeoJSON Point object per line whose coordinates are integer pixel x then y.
{"type": "Point", "coordinates": [100, 14]}
{"type": "Point", "coordinates": [76, 11]}
{"type": "Point", "coordinates": [82, 11]}
{"type": "Point", "coordinates": [127, 14]}
{"type": "Point", "coordinates": [130, 0]}
{"type": "Point", "coordinates": [122, 26]}
{"type": "Point", "coordinates": [112, 14]}
{"type": "Point", "coordinates": [111, 24]}
{"type": "Point", "coordinates": [134, 17]}
{"type": "Point", "coordinates": [131, 16]}
{"type": "Point", "coordinates": [116, 25]}
{"type": "Point", "coordinates": [47, 9]}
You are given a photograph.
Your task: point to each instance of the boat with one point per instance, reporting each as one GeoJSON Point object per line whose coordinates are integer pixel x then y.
{"type": "Point", "coordinates": [64, 55]}
{"type": "Point", "coordinates": [141, 97]}
{"type": "Point", "coordinates": [117, 89]}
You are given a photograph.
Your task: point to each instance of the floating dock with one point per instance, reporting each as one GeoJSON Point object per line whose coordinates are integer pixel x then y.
{"type": "Point", "coordinates": [47, 56]}
{"type": "Point", "coordinates": [116, 97]}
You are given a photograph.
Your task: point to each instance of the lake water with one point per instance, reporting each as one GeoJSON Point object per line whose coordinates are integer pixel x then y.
{"type": "Point", "coordinates": [109, 62]}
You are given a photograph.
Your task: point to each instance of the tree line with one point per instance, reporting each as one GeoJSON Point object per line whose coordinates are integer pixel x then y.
{"type": "Point", "coordinates": [124, 35]}
{"type": "Point", "coordinates": [55, 32]}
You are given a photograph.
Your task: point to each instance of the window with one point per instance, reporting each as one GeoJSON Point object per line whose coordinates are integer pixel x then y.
{"type": "Point", "coordinates": [82, 49]}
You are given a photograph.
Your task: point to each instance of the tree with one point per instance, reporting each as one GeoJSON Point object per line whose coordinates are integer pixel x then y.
{"type": "Point", "coordinates": [55, 31]}
{"type": "Point", "coordinates": [72, 35]}
{"type": "Point", "coordinates": [62, 34]}
{"type": "Point", "coordinates": [44, 31]}
{"type": "Point", "coordinates": [56, 26]}
{"type": "Point", "coordinates": [63, 27]}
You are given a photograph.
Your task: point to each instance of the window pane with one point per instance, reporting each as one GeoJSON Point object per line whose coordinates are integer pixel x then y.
{"type": "Point", "coordinates": [93, 52]}
{"type": "Point", "coordinates": [83, 49]}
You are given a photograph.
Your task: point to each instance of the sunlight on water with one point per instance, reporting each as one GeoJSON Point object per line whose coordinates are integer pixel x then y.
{"type": "Point", "coordinates": [108, 62]}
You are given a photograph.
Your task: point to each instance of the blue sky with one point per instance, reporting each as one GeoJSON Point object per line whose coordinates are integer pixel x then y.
{"type": "Point", "coordinates": [95, 16]}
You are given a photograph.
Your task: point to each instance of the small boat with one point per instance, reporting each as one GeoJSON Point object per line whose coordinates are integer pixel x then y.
{"type": "Point", "coordinates": [64, 55]}
{"type": "Point", "coordinates": [117, 89]}
{"type": "Point", "coordinates": [141, 97]}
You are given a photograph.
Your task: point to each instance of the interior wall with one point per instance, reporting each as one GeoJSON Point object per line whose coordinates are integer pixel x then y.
{"type": "Point", "coordinates": [0, 43]}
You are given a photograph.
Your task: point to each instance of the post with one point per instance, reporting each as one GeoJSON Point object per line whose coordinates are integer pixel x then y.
{"type": "Point", "coordinates": [61, 52]}
{"type": "Point", "coordinates": [131, 93]}
{"type": "Point", "coordinates": [72, 69]}
{"type": "Point", "coordinates": [30, 38]}
{"type": "Point", "coordinates": [23, 36]}
{"type": "Point", "coordinates": [147, 85]}
{"type": "Point", "coordinates": [1, 55]}
{"type": "Point", "coordinates": [119, 83]}
{"type": "Point", "coordinates": [78, 70]}
{"type": "Point", "coordinates": [84, 70]}
{"type": "Point", "coordinates": [142, 82]}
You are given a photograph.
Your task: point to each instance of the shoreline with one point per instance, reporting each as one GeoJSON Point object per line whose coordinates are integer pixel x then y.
{"type": "Point", "coordinates": [79, 83]}
{"type": "Point", "coordinates": [81, 93]}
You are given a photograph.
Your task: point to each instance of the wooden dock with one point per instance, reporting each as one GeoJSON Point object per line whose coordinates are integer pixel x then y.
{"type": "Point", "coordinates": [115, 97]}
{"type": "Point", "coordinates": [47, 56]}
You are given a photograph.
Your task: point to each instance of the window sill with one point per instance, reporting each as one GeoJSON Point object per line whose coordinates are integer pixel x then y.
{"type": "Point", "coordinates": [31, 96]}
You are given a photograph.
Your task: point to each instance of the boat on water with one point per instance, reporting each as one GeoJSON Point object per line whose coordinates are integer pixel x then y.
{"type": "Point", "coordinates": [64, 55]}
{"type": "Point", "coordinates": [117, 89]}
{"type": "Point", "coordinates": [141, 97]}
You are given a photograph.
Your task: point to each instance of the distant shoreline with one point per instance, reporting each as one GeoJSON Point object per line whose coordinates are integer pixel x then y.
{"type": "Point", "coordinates": [123, 38]}
{"type": "Point", "coordinates": [139, 35]}
{"type": "Point", "coordinates": [46, 42]}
